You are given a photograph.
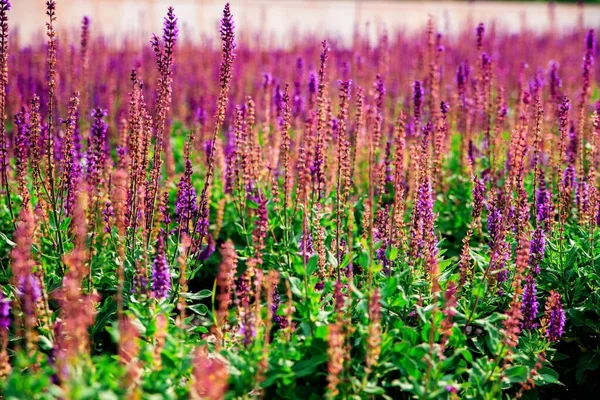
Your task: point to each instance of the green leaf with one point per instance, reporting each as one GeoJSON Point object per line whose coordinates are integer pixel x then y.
{"type": "Point", "coordinates": [7, 240]}
{"type": "Point", "coordinates": [588, 361]}
{"type": "Point", "coordinates": [109, 308]}
{"type": "Point", "coordinates": [295, 286]}
{"type": "Point", "coordinates": [517, 373]}
{"type": "Point", "coordinates": [547, 376]}
{"type": "Point", "coordinates": [307, 367]}
{"type": "Point", "coordinates": [200, 309]}
{"type": "Point", "coordinates": [203, 294]}
{"type": "Point", "coordinates": [311, 266]}
{"type": "Point", "coordinates": [392, 253]}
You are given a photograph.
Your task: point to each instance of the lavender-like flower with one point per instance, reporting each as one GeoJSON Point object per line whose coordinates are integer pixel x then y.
{"type": "Point", "coordinates": [29, 291]}
{"type": "Point", "coordinates": [227, 36]}
{"type": "Point", "coordinates": [297, 96]}
{"type": "Point", "coordinates": [563, 122]}
{"type": "Point", "coordinates": [494, 222]}
{"type": "Point", "coordinates": [418, 94]}
{"type": "Point", "coordinates": [107, 213]}
{"type": "Point", "coordinates": [4, 8]}
{"type": "Point", "coordinates": [588, 63]}
{"type": "Point", "coordinates": [161, 274]}
{"type": "Point", "coordinates": [4, 310]}
{"type": "Point", "coordinates": [543, 206]}
{"type": "Point", "coordinates": [529, 304]}
{"type": "Point", "coordinates": [186, 206]}
{"type": "Point", "coordinates": [170, 32]}
{"type": "Point", "coordinates": [554, 317]}
{"type": "Point", "coordinates": [379, 92]}
{"type": "Point", "coordinates": [96, 156]}
{"type": "Point", "coordinates": [555, 82]}
{"type": "Point", "coordinates": [480, 30]}
{"type": "Point", "coordinates": [537, 249]}
{"type": "Point", "coordinates": [21, 151]}
{"type": "Point", "coordinates": [279, 320]}
{"type": "Point", "coordinates": [312, 83]}
{"type": "Point", "coordinates": [306, 247]}
{"type": "Point", "coordinates": [478, 197]}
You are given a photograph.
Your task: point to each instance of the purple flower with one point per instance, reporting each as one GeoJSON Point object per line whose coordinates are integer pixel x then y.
{"type": "Point", "coordinates": [444, 107]}
{"type": "Point", "coordinates": [208, 249]}
{"type": "Point", "coordinates": [537, 249]}
{"type": "Point", "coordinates": [279, 320]}
{"type": "Point", "coordinates": [590, 41]}
{"type": "Point", "coordinates": [312, 83]}
{"type": "Point", "coordinates": [554, 317]}
{"type": "Point", "coordinates": [555, 81]}
{"type": "Point", "coordinates": [22, 140]}
{"type": "Point", "coordinates": [543, 206]}
{"type": "Point", "coordinates": [96, 156]}
{"type": "Point", "coordinates": [478, 193]}
{"type": "Point", "coordinates": [4, 311]}
{"type": "Point", "coordinates": [227, 32]}
{"type": "Point", "coordinates": [29, 291]}
{"type": "Point", "coordinates": [462, 74]}
{"type": "Point", "coordinates": [381, 235]}
{"type": "Point", "coordinates": [306, 247]}
{"type": "Point", "coordinates": [247, 329]}
{"type": "Point", "coordinates": [338, 296]}
{"type": "Point", "coordinates": [186, 205]}
{"type": "Point", "coordinates": [4, 7]}
{"type": "Point", "coordinates": [267, 80]}
{"type": "Point", "coordinates": [494, 222]}
{"type": "Point", "coordinates": [529, 304]}
{"type": "Point", "coordinates": [451, 389]}
{"type": "Point", "coordinates": [161, 274]}
{"type": "Point", "coordinates": [107, 212]}
{"type": "Point", "coordinates": [588, 60]}
{"type": "Point", "coordinates": [569, 176]}
{"type": "Point", "coordinates": [170, 32]}
{"type": "Point", "coordinates": [418, 94]}
{"type": "Point", "coordinates": [480, 30]}
{"type": "Point", "coordinates": [389, 175]}
{"type": "Point", "coordinates": [379, 92]}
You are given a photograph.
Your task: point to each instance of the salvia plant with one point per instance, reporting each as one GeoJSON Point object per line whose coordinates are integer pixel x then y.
{"type": "Point", "coordinates": [410, 217]}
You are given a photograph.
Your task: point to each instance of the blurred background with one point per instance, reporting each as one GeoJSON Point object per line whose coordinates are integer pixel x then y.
{"type": "Point", "coordinates": [277, 19]}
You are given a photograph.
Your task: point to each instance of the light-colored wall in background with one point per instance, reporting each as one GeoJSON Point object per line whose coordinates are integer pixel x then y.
{"type": "Point", "coordinates": [279, 17]}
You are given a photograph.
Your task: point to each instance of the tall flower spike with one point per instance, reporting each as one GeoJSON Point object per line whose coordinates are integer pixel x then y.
{"type": "Point", "coordinates": [4, 311]}
{"type": "Point", "coordinates": [70, 166]}
{"type": "Point", "coordinates": [225, 75]}
{"type": "Point", "coordinates": [418, 103]}
{"type": "Point", "coordinates": [374, 337]}
{"type": "Point", "coordinates": [96, 156]}
{"type": "Point", "coordinates": [480, 32]}
{"type": "Point", "coordinates": [21, 151]}
{"type": "Point", "coordinates": [449, 312]}
{"type": "Point", "coordinates": [512, 323]}
{"type": "Point", "coordinates": [26, 282]}
{"type": "Point", "coordinates": [84, 63]}
{"type": "Point", "coordinates": [5, 367]}
{"type": "Point", "coordinates": [225, 280]}
{"type": "Point", "coordinates": [529, 304]}
{"type": "Point", "coordinates": [553, 323]}
{"type": "Point", "coordinates": [555, 82]}
{"type": "Point", "coordinates": [170, 32]}
{"type": "Point", "coordinates": [4, 8]}
{"type": "Point", "coordinates": [161, 274]}
{"type": "Point", "coordinates": [335, 353]}
{"type": "Point", "coordinates": [588, 63]}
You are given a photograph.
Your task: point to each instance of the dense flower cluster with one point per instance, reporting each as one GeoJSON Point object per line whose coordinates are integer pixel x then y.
{"type": "Point", "coordinates": [314, 220]}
